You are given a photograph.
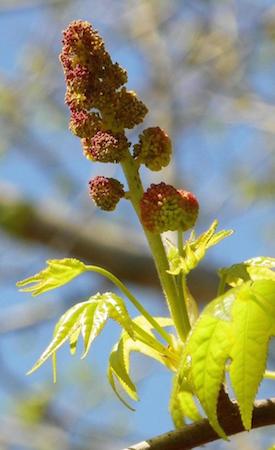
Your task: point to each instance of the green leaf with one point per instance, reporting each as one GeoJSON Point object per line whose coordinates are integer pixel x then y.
{"type": "Point", "coordinates": [194, 249]}
{"type": "Point", "coordinates": [236, 326]}
{"type": "Point", "coordinates": [252, 269]}
{"type": "Point", "coordinates": [252, 324]}
{"type": "Point", "coordinates": [175, 260]}
{"type": "Point", "coordinates": [191, 305]}
{"type": "Point", "coordinates": [188, 406]}
{"type": "Point", "coordinates": [205, 355]}
{"type": "Point", "coordinates": [58, 273]}
{"type": "Point", "coordinates": [73, 340]}
{"type": "Point", "coordinates": [102, 307]}
{"type": "Point", "coordinates": [209, 354]}
{"type": "Point", "coordinates": [119, 361]}
{"type": "Point", "coordinates": [119, 368]}
{"type": "Point", "coordinates": [182, 405]}
{"type": "Point", "coordinates": [87, 318]}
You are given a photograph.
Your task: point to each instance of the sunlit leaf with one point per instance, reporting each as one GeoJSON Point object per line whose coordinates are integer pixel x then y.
{"type": "Point", "coordinates": [194, 249]}
{"type": "Point", "coordinates": [182, 406]}
{"type": "Point", "coordinates": [191, 305]}
{"type": "Point", "coordinates": [252, 321]}
{"type": "Point", "coordinates": [209, 348]}
{"type": "Point", "coordinates": [206, 353]}
{"type": "Point", "coordinates": [119, 362]}
{"type": "Point", "coordinates": [236, 327]}
{"type": "Point", "coordinates": [253, 269]}
{"type": "Point", "coordinates": [58, 273]}
{"type": "Point", "coordinates": [87, 318]}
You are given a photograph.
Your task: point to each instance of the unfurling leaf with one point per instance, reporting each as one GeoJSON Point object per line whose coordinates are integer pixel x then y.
{"type": "Point", "coordinates": [259, 268]}
{"type": "Point", "coordinates": [182, 405]}
{"type": "Point", "coordinates": [191, 305]}
{"type": "Point", "coordinates": [119, 362]}
{"type": "Point", "coordinates": [194, 249]}
{"type": "Point", "coordinates": [88, 319]}
{"type": "Point", "coordinates": [235, 328]}
{"type": "Point", "coordinates": [58, 273]}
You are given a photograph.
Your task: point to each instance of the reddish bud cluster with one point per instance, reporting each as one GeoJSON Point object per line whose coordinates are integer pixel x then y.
{"type": "Point", "coordinates": [84, 124]}
{"type": "Point", "coordinates": [95, 82]}
{"type": "Point", "coordinates": [164, 208]}
{"type": "Point", "coordinates": [105, 147]}
{"type": "Point", "coordinates": [106, 192]}
{"type": "Point", "coordinates": [88, 68]}
{"type": "Point", "coordinates": [154, 148]}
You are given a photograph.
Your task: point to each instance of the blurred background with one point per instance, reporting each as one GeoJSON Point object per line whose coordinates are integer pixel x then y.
{"type": "Point", "coordinates": [206, 71]}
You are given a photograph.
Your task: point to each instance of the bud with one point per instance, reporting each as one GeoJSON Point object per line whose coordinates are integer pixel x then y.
{"type": "Point", "coordinates": [106, 146]}
{"type": "Point", "coordinates": [105, 192]}
{"type": "Point", "coordinates": [84, 124]}
{"type": "Point", "coordinates": [128, 109]}
{"type": "Point", "coordinates": [154, 148]}
{"type": "Point", "coordinates": [164, 208]}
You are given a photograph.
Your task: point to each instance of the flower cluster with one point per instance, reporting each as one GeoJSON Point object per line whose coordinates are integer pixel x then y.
{"type": "Point", "coordinates": [106, 146]}
{"type": "Point", "coordinates": [164, 208]}
{"type": "Point", "coordinates": [154, 148]}
{"type": "Point", "coordinates": [106, 192]}
{"type": "Point", "coordinates": [101, 109]}
{"type": "Point", "coordinates": [95, 82]}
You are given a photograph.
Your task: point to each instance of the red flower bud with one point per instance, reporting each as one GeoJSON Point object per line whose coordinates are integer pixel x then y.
{"type": "Point", "coordinates": [164, 208]}
{"type": "Point", "coordinates": [106, 146]}
{"type": "Point", "coordinates": [105, 192]}
{"type": "Point", "coordinates": [154, 148]}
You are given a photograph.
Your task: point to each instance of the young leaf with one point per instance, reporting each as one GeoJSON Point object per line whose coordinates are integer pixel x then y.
{"type": "Point", "coordinates": [182, 405]}
{"type": "Point", "coordinates": [102, 307]}
{"type": "Point", "coordinates": [119, 368]}
{"type": "Point", "coordinates": [237, 325]}
{"type": "Point", "coordinates": [207, 349]}
{"type": "Point", "coordinates": [252, 269]}
{"type": "Point", "coordinates": [210, 350]}
{"type": "Point", "coordinates": [252, 321]}
{"type": "Point", "coordinates": [73, 340]}
{"type": "Point", "coordinates": [119, 361]}
{"type": "Point", "coordinates": [58, 272]}
{"type": "Point", "coordinates": [87, 318]}
{"type": "Point", "coordinates": [191, 305]}
{"type": "Point", "coordinates": [194, 250]}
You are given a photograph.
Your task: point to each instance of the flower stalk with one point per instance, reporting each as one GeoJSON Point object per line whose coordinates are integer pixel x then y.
{"type": "Point", "coordinates": [177, 310]}
{"type": "Point", "coordinates": [101, 109]}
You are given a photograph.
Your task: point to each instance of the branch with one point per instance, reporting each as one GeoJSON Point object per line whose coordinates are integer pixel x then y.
{"type": "Point", "coordinates": [201, 432]}
{"type": "Point", "coordinates": [100, 243]}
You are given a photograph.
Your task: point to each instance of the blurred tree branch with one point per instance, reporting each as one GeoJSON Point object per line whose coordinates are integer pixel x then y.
{"type": "Point", "coordinates": [98, 242]}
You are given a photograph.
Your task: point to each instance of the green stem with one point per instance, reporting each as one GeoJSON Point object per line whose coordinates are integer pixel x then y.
{"type": "Point", "coordinates": [151, 342]}
{"type": "Point", "coordinates": [221, 286]}
{"type": "Point", "coordinates": [132, 299]}
{"type": "Point", "coordinates": [168, 284]}
{"type": "Point", "coordinates": [181, 280]}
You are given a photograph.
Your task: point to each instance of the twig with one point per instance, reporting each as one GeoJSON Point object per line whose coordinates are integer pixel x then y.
{"type": "Point", "coordinates": [201, 432]}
